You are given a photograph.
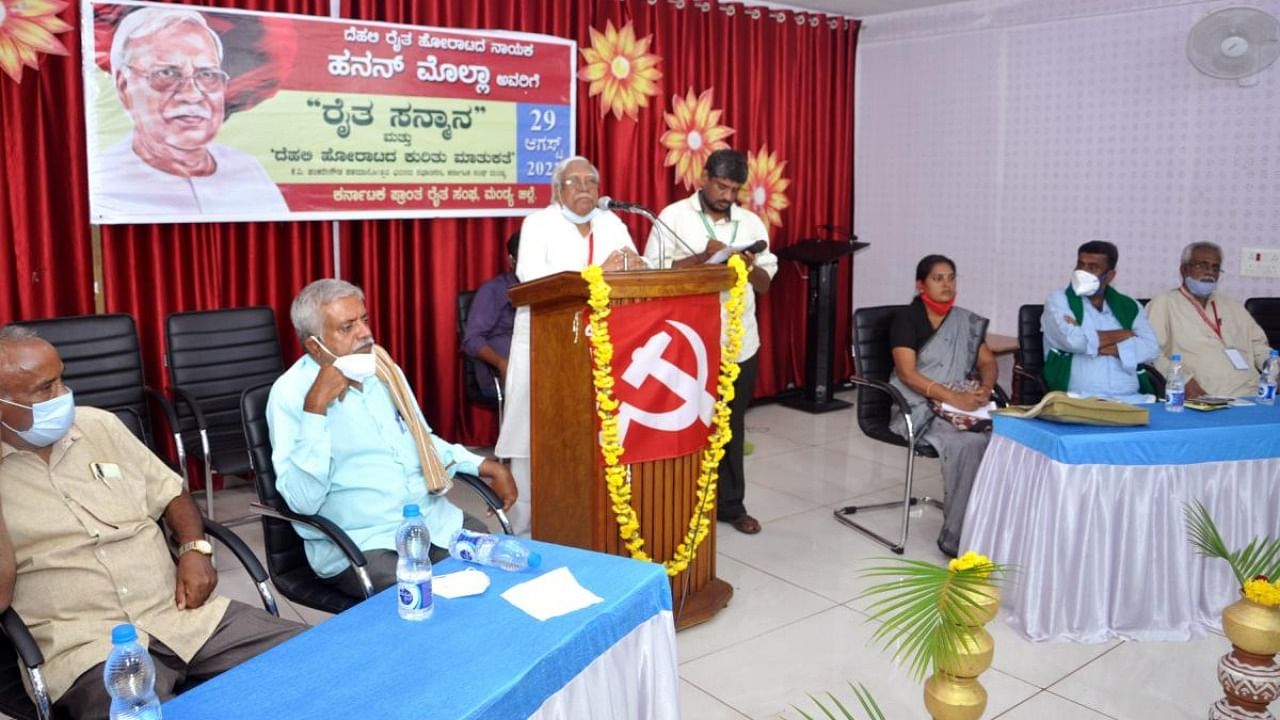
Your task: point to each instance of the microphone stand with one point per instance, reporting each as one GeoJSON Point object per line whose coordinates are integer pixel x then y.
{"type": "Point", "coordinates": [658, 223]}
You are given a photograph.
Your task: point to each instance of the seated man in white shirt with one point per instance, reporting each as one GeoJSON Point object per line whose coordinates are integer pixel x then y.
{"type": "Point", "coordinates": [345, 448]}
{"type": "Point", "coordinates": [1095, 337]}
{"type": "Point", "coordinates": [1222, 346]}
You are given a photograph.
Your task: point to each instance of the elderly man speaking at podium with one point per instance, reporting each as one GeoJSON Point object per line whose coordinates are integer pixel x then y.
{"type": "Point", "coordinates": [567, 235]}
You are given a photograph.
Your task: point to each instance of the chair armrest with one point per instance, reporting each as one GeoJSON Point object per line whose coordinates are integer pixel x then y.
{"type": "Point", "coordinates": [166, 408]}
{"type": "Point", "coordinates": [324, 525]}
{"type": "Point", "coordinates": [238, 547]}
{"type": "Point", "coordinates": [186, 398]}
{"type": "Point", "coordinates": [1023, 373]}
{"type": "Point", "coordinates": [482, 489]}
{"type": "Point", "coordinates": [898, 400]}
{"type": "Point", "coordinates": [1001, 397]}
{"type": "Point", "coordinates": [18, 634]}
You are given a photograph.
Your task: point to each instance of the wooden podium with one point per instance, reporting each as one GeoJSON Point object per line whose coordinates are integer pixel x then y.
{"type": "Point", "coordinates": [570, 499]}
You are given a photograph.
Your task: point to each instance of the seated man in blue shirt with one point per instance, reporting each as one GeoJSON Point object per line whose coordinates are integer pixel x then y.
{"type": "Point", "coordinates": [345, 448]}
{"type": "Point", "coordinates": [489, 324]}
{"type": "Point", "coordinates": [1094, 337]}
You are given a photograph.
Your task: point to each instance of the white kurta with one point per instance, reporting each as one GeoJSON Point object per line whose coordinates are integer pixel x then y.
{"type": "Point", "coordinates": [549, 244]}
{"type": "Point", "coordinates": [124, 184]}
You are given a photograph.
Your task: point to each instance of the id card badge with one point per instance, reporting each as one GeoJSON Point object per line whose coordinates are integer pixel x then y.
{"type": "Point", "coordinates": [1237, 359]}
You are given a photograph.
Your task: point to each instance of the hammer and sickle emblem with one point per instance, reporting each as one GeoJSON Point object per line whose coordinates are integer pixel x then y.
{"type": "Point", "coordinates": [647, 362]}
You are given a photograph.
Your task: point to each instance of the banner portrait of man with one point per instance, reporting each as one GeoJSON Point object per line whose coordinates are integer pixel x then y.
{"type": "Point", "coordinates": [167, 69]}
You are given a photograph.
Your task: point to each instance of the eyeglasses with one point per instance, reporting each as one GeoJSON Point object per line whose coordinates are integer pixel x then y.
{"type": "Point", "coordinates": [1202, 266]}
{"type": "Point", "coordinates": [585, 182]}
{"type": "Point", "coordinates": [167, 77]}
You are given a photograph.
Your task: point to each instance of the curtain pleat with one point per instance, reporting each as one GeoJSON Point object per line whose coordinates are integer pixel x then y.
{"type": "Point", "coordinates": [781, 83]}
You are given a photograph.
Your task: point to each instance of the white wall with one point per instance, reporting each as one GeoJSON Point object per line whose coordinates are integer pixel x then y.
{"type": "Point", "coordinates": [1004, 133]}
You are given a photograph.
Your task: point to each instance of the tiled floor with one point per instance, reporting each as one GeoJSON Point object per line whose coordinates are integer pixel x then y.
{"type": "Point", "coordinates": [795, 626]}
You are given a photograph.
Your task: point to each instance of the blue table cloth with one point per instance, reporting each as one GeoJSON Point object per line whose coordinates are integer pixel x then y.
{"type": "Point", "coordinates": [1236, 433]}
{"type": "Point", "coordinates": [478, 657]}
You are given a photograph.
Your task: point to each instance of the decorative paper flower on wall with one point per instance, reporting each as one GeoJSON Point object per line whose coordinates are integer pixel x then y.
{"type": "Point", "coordinates": [620, 70]}
{"type": "Point", "coordinates": [27, 27]}
{"type": "Point", "coordinates": [694, 134]}
{"type": "Point", "coordinates": [764, 192]}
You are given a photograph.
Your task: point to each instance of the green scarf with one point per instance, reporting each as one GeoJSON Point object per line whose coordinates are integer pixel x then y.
{"type": "Point", "coordinates": [1057, 365]}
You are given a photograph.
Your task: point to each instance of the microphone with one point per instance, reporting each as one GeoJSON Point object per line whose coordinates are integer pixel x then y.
{"type": "Point", "coordinates": [756, 247]}
{"type": "Point", "coordinates": [607, 203]}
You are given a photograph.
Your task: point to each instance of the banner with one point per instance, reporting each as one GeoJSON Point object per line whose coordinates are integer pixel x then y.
{"type": "Point", "coordinates": [201, 115]}
{"type": "Point", "coordinates": [666, 363]}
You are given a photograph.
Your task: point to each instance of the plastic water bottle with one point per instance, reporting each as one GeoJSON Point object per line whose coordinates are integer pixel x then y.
{"type": "Point", "coordinates": [1267, 380]}
{"type": "Point", "coordinates": [501, 551]}
{"type": "Point", "coordinates": [130, 676]}
{"type": "Point", "coordinates": [1175, 386]}
{"type": "Point", "coordinates": [413, 569]}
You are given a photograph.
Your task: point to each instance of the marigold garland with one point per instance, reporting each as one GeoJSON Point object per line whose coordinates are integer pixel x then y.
{"type": "Point", "coordinates": [971, 560]}
{"type": "Point", "coordinates": [615, 473]}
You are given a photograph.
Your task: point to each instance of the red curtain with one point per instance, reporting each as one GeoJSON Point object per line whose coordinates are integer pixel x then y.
{"type": "Point", "coordinates": [783, 80]}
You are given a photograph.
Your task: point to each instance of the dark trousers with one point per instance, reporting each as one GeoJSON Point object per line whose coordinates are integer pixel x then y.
{"type": "Point", "coordinates": [382, 564]}
{"type": "Point", "coordinates": [732, 485]}
{"type": "Point", "coordinates": [242, 633]}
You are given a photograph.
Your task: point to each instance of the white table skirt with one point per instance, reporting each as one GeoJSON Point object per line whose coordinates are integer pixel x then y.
{"type": "Point", "coordinates": [636, 679]}
{"type": "Point", "coordinates": [1101, 551]}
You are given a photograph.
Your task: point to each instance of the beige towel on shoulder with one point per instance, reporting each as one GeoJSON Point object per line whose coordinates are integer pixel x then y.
{"type": "Point", "coordinates": [433, 471]}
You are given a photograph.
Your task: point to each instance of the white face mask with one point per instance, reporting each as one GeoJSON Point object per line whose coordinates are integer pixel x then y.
{"type": "Point", "coordinates": [1084, 283]}
{"type": "Point", "coordinates": [577, 219]}
{"type": "Point", "coordinates": [50, 420]}
{"type": "Point", "coordinates": [356, 367]}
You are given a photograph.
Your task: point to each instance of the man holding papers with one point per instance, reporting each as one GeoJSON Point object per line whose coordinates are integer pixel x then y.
{"type": "Point", "coordinates": [706, 222]}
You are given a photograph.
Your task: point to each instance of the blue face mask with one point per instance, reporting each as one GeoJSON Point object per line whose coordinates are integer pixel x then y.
{"type": "Point", "coordinates": [50, 420]}
{"type": "Point", "coordinates": [1200, 288]}
{"type": "Point", "coordinates": [577, 219]}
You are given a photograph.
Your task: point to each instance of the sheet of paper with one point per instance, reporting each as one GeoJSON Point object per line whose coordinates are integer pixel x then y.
{"type": "Point", "coordinates": [982, 413]}
{"type": "Point", "coordinates": [722, 255]}
{"type": "Point", "coordinates": [551, 594]}
{"type": "Point", "coordinates": [460, 584]}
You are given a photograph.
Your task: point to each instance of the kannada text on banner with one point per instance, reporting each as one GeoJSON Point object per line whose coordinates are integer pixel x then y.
{"type": "Point", "coordinates": [199, 115]}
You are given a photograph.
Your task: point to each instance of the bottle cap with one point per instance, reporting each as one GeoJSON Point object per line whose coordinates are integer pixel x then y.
{"type": "Point", "coordinates": [1177, 357]}
{"type": "Point", "coordinates": [411, 510]}
{"type": "Point", "coordinates": [123, 633]}
{"type": "Point", "coordinates": [535, 559]}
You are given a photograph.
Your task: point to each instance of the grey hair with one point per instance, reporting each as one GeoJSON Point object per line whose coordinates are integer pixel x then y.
{"type": "Point", "coordinates": [1202, 245]}
{"type": "Point", "coordinates": [307, 310]}
{"type": "Point", "coordinates": [149, 21]}
{"type": "Point", "coordinates": [11, 335]}
{"type": "Point", "coordinates": [557, 174]}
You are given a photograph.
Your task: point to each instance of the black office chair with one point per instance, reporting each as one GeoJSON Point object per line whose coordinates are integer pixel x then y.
{"type": "Point", "coordinates": [286, 557]}
{"type": "Point", "coordinates": [103, 365]}
{"type": "Point", "coordinates": [876, 399]}
{"type": "Point", "coordinates": [213, 356]}
{"type": "Point", "coordinates": [1028, 367]}
{"type": "Point", "coordinates": [470, 384]}
{"type": "Point", "coordinates": [1266, 312]}
{"type": "Point", "coordinates": [1028, 364]}
{"type": "Point", "coordinates": [19, 652]}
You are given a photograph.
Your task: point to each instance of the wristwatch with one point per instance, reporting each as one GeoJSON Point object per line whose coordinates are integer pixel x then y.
{"type": "Point", "coordinates": [202, 546]}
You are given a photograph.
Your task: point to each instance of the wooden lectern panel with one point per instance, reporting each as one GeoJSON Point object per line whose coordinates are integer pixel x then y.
{"type": "Point", "coordinates": [570, 502]}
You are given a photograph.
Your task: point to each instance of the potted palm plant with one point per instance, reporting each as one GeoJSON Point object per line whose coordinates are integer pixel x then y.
{"type": "Point", "coordinates": [1249, 674]}
{"type": "Point", "coordinates": [932, 617]}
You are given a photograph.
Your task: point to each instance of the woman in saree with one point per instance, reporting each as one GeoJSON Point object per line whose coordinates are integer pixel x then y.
{"type": "Point", "coordinates": [940, 356]}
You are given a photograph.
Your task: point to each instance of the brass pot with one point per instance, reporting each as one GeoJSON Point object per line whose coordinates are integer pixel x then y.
{"type": "Point", "coordinates": [987, 599]}
{"type": "Point", "coordinates": [1252, 627]}
{"type": "Point", "coordinates": [947, 697]}
{"type": "Point", "coordinates": [974, 655]}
